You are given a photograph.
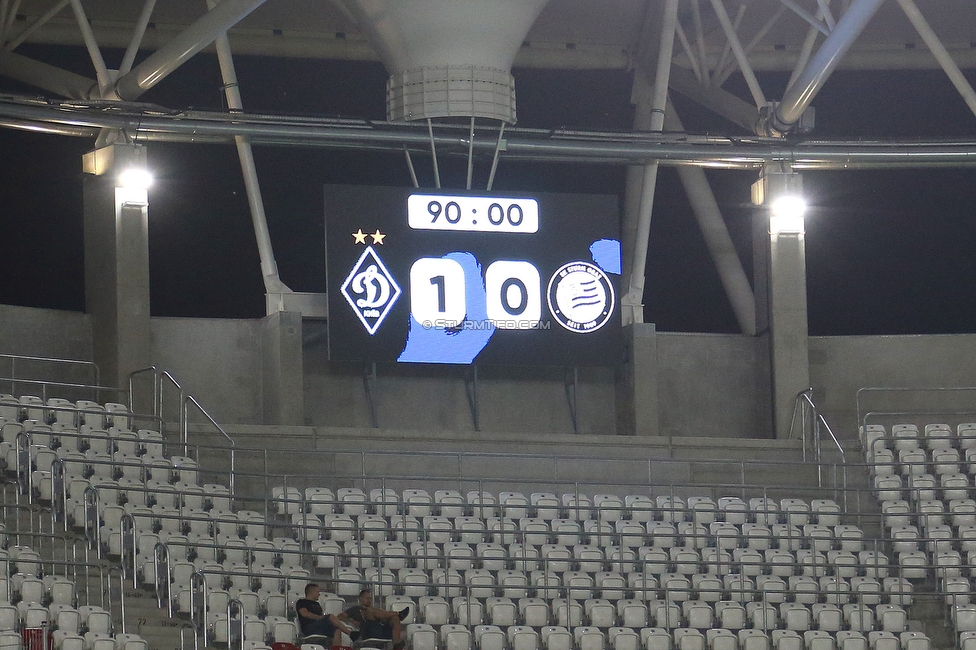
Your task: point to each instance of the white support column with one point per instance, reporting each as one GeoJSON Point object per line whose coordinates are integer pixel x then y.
{"type": "Point", "coordinates": [787, 296]}
{"type": "Point", "coordinates": [273, 287]}
{"type": "Point", "coordinates": [117, 263]}
{"type": "Point", "coordinates": [632, 307]}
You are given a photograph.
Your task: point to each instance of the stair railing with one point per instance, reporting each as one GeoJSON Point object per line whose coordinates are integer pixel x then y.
{"type": "Point", "coordinates": [92, 529]}
{"type": "Point", "coordinates": [161, 379]}
{"type": "Point", "coordinates": [129, 560]}
{"type": "Point", "coordinates": [810, 425]}
{"type": "Point", "coordinates": [22, 444]}
{"type": "Point", "coordinates": [88, 366]}
{"type": "Point", "coordinates": [121, 573]}
{"type": "Point", "coordinates": [161, 577]}
{"type": "Point", "coordinates": [193, 631]}
{"type": "Point", "coordinates": [198, 610]}
{"type": "Point", "coordinates": [234, 605]}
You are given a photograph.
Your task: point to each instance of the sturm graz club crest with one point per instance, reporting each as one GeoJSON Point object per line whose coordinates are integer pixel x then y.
{"type": "Point", "coordinates": [370, 290]}
{"type": "Point", "coordinates": [581, 297]}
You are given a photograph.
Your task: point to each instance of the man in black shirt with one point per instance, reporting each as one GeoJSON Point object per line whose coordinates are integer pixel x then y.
{"type": "Point", "coordinates": [375, 623]}
{"type": "Point", "coordinates": [313, 622]}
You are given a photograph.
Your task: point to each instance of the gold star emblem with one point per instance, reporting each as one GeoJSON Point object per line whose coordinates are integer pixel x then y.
{"type": "Point", "coordinates": [359, 236]}
{"type": "Point", "coordinates": [378, 237]}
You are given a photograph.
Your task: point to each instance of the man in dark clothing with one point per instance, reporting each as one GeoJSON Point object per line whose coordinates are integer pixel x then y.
{"type": "Point", "coordinates": [313, 622]}
{"type": "Point", "coordinates": [375, 623]}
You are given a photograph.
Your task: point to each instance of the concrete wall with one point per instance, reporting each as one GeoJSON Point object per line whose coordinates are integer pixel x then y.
{"type": "Point", "coordinates": [841, 365]}
{"type": "Point", "coordinates": [45, 333]}
{"type": "Point", "coordinates": [690, 385]}
{"type": "Point", "coordinates": [711, 385]}
{"type": "Point", "coordinates": [218, 361]}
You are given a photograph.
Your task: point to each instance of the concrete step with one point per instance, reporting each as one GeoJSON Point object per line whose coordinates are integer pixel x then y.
{"type": "Point", "coordinates": [929, 611]}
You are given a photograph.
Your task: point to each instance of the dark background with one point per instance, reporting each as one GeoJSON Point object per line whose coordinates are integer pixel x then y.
{"type": "Point", "coordinates": [888, 252]}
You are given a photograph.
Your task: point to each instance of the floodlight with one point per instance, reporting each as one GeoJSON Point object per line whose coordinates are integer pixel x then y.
{"type": "Point", "coordinates": [781, 191]}
{"type": "Point", "coordinates": [786, 214]}
{"type": "Point", "coordinates": [137, 178]}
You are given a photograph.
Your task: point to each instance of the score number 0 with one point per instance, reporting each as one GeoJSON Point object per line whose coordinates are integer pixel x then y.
{"type": "Point", "coordinates": [438, 295]}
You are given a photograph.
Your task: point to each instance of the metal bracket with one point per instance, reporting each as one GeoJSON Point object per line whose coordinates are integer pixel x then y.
{"type": "Point", "coordinates": [571, 383]}
{"type": "Point", "coordinates": [471, 392]}
{"type": "Point", "coordinates": [369, 378]}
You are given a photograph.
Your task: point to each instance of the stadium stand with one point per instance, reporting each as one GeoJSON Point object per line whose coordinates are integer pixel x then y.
{"type": "Point", "coordinates": [90, 497]}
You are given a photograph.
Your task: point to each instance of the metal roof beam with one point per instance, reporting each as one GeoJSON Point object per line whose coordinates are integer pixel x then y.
{"type": "Point", "coordinates": [179, 50]}
{"type": "Point", "coordinates": [799, 96]}
{"type": "Point", "coordinates": [46, 77]}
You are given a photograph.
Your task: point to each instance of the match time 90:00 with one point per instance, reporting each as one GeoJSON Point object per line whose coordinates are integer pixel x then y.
{"type": "Point", "coordinates": [472, 213]}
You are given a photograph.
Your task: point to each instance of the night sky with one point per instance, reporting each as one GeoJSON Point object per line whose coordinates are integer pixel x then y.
{"type": "Point", "coordinates": [888, 252]}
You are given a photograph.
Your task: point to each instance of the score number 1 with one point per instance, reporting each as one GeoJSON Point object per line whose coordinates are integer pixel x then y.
{"type": "Point", "coordinates": [438, 297]}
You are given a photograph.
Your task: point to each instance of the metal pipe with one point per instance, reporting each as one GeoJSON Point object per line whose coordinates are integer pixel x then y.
{"type": "Point", "coordinates": [825, 12]}
{"type": "Point", "coordinates": [686, 46]}
{"type": "Point", "coordinates": [137, 34]}
{"type": "Point", "coordinates": [494, 158]}
{"type": "Point", "coordinates": [101, 71]}
{"type": "Point", "coordinates": [740, 55]}
{"type": "Point", "coordinates": [805, 15]}
{"type": "Point", "coordinates": [182, 47]}
{"type": "Point", "coordinates": [804, 56]}
{"type": "Point", "coordinates": [37, 24]}
{"type": "Point", "coordinates": [433, 153]}
{"type": "Point", "coordinates": [722, 76]}
{"type": "Point", "coordinates": [11, 15]}
{"type": "Point", "coordinates": [700, 41]}
{"type": "Point", "coordinates": [470, 154]}
{"type": "Point", "coordinates": [269, 268]}
{"type": "Point", "coordinates": [940, 53]}
{"type": "Point", "coordinates": [659, 100]}
{"type": "Point", "coordinates": [723, 58]}
{"type": "Point", "coordinates": [799, 96]}
{"type": "Point", "coordinates": [538, 145]}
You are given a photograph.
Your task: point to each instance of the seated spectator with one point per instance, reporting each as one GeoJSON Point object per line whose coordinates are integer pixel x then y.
{"type": "Point", "coordinates": [313, 622]}
{"type": "Point", "coordinates": [375, 623]}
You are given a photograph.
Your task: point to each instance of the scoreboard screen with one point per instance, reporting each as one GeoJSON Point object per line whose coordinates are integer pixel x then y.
{"type": "Point", "coordinates": [455, 277]}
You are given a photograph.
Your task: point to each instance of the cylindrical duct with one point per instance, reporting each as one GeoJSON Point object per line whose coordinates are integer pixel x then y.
{"type": "Point", "coordinates": [447, 58]}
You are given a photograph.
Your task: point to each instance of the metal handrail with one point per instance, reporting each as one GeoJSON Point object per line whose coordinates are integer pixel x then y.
{"type": "Point", "coordinates": [181, 414]}
{"type": "Point", "coordinates": [161, 577]}
{"type": "Point", "coordinates": [801, 406]}
{"type": "Point", "coordinates": [68, 362]}
{"type": "Point", "coordinates": [155, 387]}
{"type": "Point", "coordinates": [121, 571]}
{"type": "Point", "coordinates": [232, 605]}
{"type": "Point", "coordinates": [233, 445]}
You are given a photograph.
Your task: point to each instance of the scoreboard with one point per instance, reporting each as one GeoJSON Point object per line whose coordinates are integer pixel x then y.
{"type": "Point", "coordinates": [455, 277]}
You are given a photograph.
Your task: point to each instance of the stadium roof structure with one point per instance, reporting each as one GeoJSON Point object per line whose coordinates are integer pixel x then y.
{"type": "Point", "coordinates": [451, 91]}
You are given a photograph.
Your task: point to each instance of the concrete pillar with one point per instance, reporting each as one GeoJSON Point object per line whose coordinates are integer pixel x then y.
{"type": "Point", "coordinates": [789, 350]}
{"type": "Point", "coordinates": [760, 281]}
{"type": "Point", "coordinates": [282, 369]}
{"type": "Point", "coordinates": [117, 263]}
{"type": "Point", "coordinates": [636, 390]}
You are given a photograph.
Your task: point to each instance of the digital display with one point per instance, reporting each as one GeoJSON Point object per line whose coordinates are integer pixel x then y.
{"type": "Point", "coordinates": [421, 276]}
